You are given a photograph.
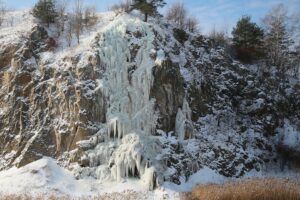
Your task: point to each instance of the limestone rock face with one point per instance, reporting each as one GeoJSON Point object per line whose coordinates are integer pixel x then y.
{"type": "Point", "coordinates": [168, 90]}
{"type": "Point", "coordinates": [137, 101]}
{"type": "Point", "coordinates": [44, 111]}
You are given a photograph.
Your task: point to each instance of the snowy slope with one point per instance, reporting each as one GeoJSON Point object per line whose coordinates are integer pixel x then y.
{"type": "Point", "coordinates": [44, 177]}
{"type": "Point", "coordinates": [16, 25]}
{"type": "Point", "coordinates": [41, 176]}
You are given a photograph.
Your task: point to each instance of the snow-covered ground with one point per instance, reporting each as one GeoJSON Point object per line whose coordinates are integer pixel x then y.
{"type": "Point", "coordinates": [45, 177]}
{"type": "Point", "coordinates": [21, 21]}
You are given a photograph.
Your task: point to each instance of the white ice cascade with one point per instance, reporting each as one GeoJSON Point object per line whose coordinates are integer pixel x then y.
{"type": "Point", "coordinates": [183, 126]}
{"type": "Point", "coordinates": [130, 108]}
{"type": "Point", "coordinates": [131, 117]}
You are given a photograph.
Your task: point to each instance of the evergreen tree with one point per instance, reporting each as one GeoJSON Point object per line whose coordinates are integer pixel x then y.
{"type": "Point", "coordinates": [248, 40]}
{"type": "Point", "coordinates": [45, 11]}
{"type": "Point", "coordinates": [147, 7]}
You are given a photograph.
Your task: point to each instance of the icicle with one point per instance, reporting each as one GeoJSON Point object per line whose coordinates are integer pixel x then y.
{"type": "Point", "coordinates": [150, 178]}
{"type": "Point", "coordinates": [183, 124]}
{"type": "Point", "coordinates": [130, 112]}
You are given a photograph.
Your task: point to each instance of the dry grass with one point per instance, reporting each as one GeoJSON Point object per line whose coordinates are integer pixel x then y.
{"type": "Point", "coordinates": [255, 189]}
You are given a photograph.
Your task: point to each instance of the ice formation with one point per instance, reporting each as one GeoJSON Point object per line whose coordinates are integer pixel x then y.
{"type": "Point", "coordinates": [183, 125]}
{"type": "Point", "coordinates": [130, 115]}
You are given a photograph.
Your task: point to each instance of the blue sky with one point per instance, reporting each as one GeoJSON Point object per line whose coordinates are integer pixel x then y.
{"type": "Point", "coordinates": [221, 14]}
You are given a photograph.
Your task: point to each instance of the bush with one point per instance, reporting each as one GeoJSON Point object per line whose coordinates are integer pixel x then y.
{"type": "Point", "coordinates": [218, 38]}
{"type": "Point", "coordinates": [180, 35]}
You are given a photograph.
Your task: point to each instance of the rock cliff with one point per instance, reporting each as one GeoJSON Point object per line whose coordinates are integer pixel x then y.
{"type": "Point", "coordinates": [140, 101]}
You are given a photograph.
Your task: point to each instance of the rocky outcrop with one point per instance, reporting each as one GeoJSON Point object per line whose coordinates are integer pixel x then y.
{"type": "Point", "coordinates": [139, 102]}
{"type": "Point", "coordinates": [45, 111]}
{"type": "Point", "coordinates": [168, 91]}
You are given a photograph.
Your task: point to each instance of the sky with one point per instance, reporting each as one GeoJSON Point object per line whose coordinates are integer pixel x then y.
{"type": "Point", "coordinates": [219, 14]}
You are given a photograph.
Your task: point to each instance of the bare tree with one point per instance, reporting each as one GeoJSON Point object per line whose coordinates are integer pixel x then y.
{"type": "Point", "coordinates": [69, 31]}
{"type": "Point", "coordinates": [296, 67]}
{"type": "Point", "coordinates": [2, 12]}
{"type": "Point", "coordinates": [10, 21]}
{"type": "Point", "coordinates": [90, 17]}
{"type": "Point", "coordinates": [123, 6]}
{"type": "Point", "coordinates": [78, 18]}
{"type": "Point", "coordinates": [192, 24]}
{"type": "Point", "coordinates": [277, 38]}
{"type": "Point", "coordinates": [218, 37]}
{"type": "Point", "coordinates": [177, 14]}
{"type": "Point", "coordinates": [61, 7]}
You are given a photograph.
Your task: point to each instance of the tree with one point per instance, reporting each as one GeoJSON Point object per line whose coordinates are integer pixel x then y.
{"type": "Point", "coordinates": [177, 14]}
{"type": "Point", "coordinates": [78, 18]}
{"type": "Point", "coordinates": [123, 6]}
{"type": "Point", "coordinates": [45, 11]}
{"type": "Point", "coordinates": [61, 6]}
{"type": "Point", "coordinates": [90, 17]}
{"type": "Point", "coordinates": [69, 31]}
{"type": "Point", "coordinates": [248, 40]}
{"type": "Point", "coordinates": [277, 38]}
{"type": "Point", "coordinates": [218, 37]}
{"type": "Point", "coordinates": [296, 62]}
{"type": "Point", "coordinates": [2, 12]}
{"type": "Point", "coordinates": [147, 7]}
{"type": "Point", "coordinates": [192, 24]}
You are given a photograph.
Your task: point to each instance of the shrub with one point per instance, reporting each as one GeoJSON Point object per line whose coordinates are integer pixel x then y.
{"type": "Point", "coordinates": [218, 38]}
{"type": "Point", "coordinates": [180, 35]}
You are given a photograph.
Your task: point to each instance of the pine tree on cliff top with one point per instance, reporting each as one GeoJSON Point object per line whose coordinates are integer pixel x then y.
{"type": "Point", "coordinates": [45, 11]}
{"type": "Point", "coordinates": [147, 7]}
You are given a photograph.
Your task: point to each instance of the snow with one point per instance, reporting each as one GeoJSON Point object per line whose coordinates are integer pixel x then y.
{"type": "Point", "coordinates": [202, 177]}
{"type": "Point", "coordinates": [183, 119]}
{"type": "Point", "coordinates": [46, 177]}
{"type": "Point", "coordinates": [160, 57]}
{"type": "Point", "coordinates": [125, 147]}
{"type": "Point", "coordinates": [290, 135]}
{"type": "Point", "coordinates": [41, 176]}
{"type": "Point", "coordinates": [22, 25]}
{"type": "Point", "coordinates": [130, 107]}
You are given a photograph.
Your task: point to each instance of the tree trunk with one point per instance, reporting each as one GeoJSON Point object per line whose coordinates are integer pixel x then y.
{"type": "Point", "coordinates": [146, 17]}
